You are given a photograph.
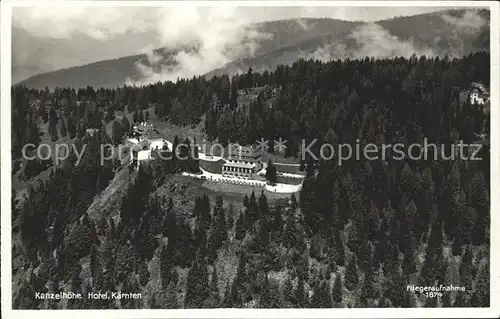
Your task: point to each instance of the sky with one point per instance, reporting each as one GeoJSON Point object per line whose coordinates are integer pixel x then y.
{"type": "Point", "coordinates": [101, 22]}
{"type": "Point", "coordinates": [46, 39]}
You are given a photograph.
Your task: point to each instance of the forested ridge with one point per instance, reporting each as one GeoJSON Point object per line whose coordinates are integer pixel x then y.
{"type": "Point", "coordinates": [356, 236]}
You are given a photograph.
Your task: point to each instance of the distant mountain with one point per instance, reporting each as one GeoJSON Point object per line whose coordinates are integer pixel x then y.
{"type": "Point", "coordinates": [435, 33]}
{"type": "Point", "coordinates": [115, 72]}
{"type": "Point", "coordinates": [33, 55]}
{"type": "Point", "coordinates": [107, 73]}
{"type": "Point", "coordinates": [454, 32]}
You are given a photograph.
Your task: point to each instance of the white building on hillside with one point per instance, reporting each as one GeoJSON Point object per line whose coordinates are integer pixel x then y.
{"type": "Point", "coordinates": [242, 162]}
{"type": "Point", "coordinates": [143, 143]}
{"type": "Point", "coordinates": [157, 143]}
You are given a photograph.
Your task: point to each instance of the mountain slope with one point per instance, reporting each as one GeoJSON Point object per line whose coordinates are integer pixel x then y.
{"type": "Point", "coordinates": [454, 32]}
{"type": "Point", "coordinates": [107, 73]}
{"type": "Point", "coordinates": [114, 72]}
{"type": "Point", "coordinates": [430, 34]}
{"type": "Point", "coordinates": [32, 54]}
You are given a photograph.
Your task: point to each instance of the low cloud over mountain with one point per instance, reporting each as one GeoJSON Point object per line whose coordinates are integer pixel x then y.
{"type": "Point", "coordinates": [223, 40]}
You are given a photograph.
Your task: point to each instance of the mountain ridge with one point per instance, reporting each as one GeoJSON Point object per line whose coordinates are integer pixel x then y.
{"type": "Point", "coordinates": [289, 40]}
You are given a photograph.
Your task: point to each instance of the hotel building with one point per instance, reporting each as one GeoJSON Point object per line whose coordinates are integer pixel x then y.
{"type": "Point", "coordinates": [242, 162]}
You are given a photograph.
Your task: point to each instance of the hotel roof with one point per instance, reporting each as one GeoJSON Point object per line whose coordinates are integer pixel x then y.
{"type": "Point", "coordinates": [137, 146]}
{"type": "Point", "coordinates": [151, 134]}
{"type": "Point", "coordinates": [242, 150]}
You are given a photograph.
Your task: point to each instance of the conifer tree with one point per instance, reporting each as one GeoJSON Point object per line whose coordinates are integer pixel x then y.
{"type": "Point", "coordinates": [214, 299]}
{"type": "Point", "coordinates": [219, 230]}
{"type": "Point", "coordinates": [460, 300]}
{"type": "Point", "coordinates": [364, 255]}
{"type": "Point", "coordinates": [456, 246]}
{"type": "Point", "coordinates": [143, 273]}
{"type": "Point", "coordinates": [428, 274]}
{"type": "Point", "coordinates": [197, 288]}
{"type": "Point", "coordinates": [252, 205]}
{"type": "Point", "coordinates": [240, 226]}
{"type": "Point", "coordinates": [300, 294]}
{"type": "Point", "coordinates": [351, 276]}
{"type": "Point", "coordinates": [117, 132]}
{"type": "Point", "coordinates": [315, 299]}
{"type": "Point", "coordinates": [446, 300]}
{"type": "Point", "coordinates": [340, 251]}
{"type": "Point", "coordinates": [409, 265]}
{"type": "Point", "coordinates": [227, 296]}
{"type": "Point", "coordinates": [383, 302]}
{"type": "Point", "coordinates": [263, 206]}
{"type": "Point", "coordinates": [245, 201]}
{"type": "Point", "coordinates": [135, 116]}
{"type": "Point", "coordinates": [53, 132]}
{"type": "Point", "coordinates": [466, 269]}
{"type": "Point", "coordinates": [293, 201]}
{"type": "Point", "coordinates": [325, 296]}
{"type": "Point", "coordinates": [238, 289]}
{"type": "Point", "coordinates": [337, 289]}
{"type": "Point", "coordinates": [368, 290]}
{"type": "Point", "coordinates": [482, 289]}
{"type": "Point", "coordinates": [271, 173]}
{"type": "Point", "coordinates": [277, 223]}
{"type": "Point", "coordinates": [288, 292]}
{"type": "Point", "coordinates": [166, 265]}
{"type": "Point", "coordinates": [431, 302]}
{"type": "Point", "coordinates": [265, 296]}
{"type": "Point", "coordinates": [126, 126]}
{"type": "Point", "coordinates": [63, 130]}
{"type": "Point", "coordinates": [94, 262]}
{"type": "Point", "coordinates": [395, 287]}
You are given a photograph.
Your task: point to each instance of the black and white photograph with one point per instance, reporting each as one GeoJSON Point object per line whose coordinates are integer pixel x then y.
{"type": "Point", "coordinates": [221, 157]}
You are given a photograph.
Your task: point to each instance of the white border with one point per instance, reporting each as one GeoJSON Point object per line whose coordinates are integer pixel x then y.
{"type": "Point", "coordinates": [6, 265]}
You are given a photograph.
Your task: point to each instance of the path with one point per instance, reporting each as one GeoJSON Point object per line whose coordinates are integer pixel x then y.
{"type": "Point", "coordinates": [287, 164]}
{"type": "Point", "coordinates": [278, 188]}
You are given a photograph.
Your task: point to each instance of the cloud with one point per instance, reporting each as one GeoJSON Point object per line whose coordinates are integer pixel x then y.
{"type": "Point", "coordinates": [372, 40]}
{"type": "Point", "coordinates": [220, 35]}
{"type": "Point", "coordinates": [304, 24]}
{"type": "Point", "coordinates": [224, 34]}
{"type": "Point", "coordinates": [377, 42]}
{"type": "Point", "coordinates": [470, 22]}
{"type": "Point", "coordinates": [62, 21]}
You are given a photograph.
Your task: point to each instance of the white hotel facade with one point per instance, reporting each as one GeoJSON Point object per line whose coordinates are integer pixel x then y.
{"type": "Point", "coordinates": [242, 162]}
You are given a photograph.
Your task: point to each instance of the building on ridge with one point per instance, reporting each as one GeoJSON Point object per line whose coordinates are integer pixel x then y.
{"type": "Point", "coordinates": [145, 138]}
{"type": "Point", "coordinates": [242, 162]}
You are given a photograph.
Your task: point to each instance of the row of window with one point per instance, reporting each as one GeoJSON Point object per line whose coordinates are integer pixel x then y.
{"type": "Point", "coordinates": [243, 157]}
{"type": "Point", "coordinates": [237, 176]}
{"type": "Point", "coordinates": [246, 161]}
{"type": "Point", "coordinates": [237, 169]}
